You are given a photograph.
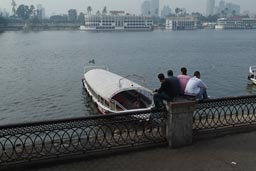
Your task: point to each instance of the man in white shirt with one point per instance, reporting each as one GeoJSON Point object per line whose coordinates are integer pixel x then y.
{"type": "Point", "coordinates": [196, 87]}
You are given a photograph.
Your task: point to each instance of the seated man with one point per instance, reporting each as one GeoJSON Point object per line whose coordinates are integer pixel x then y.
{"type": "Point", "coordinates": [196, 87]}
{"type": "Point", "coordinates": [183, 79]}
{"type": "Point", "coordinates": [163, 93]}
{"type": "Point", "coordinates": [175, 84]}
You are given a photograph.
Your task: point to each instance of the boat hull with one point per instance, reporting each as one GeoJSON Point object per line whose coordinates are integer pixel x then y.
{"type": "Point", "coordinates": [252, 74]}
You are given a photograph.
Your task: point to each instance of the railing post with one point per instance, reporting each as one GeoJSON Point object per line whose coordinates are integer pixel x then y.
{"type": "Point", "coordinates": [179, 123]}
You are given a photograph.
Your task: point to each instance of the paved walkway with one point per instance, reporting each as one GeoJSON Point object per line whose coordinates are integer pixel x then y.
{"type": "Point", "coordinates": [229, 153]}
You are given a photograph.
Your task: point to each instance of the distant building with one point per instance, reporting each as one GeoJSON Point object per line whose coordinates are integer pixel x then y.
{"type": "Point", "coordinates": [232, 9]}
{"type": "Point", "coordinates": [210, 7]}
{"type": "Point", "coordinates": [145, 8]}
{"type": "Point", "coordinates": [150, 7]}
{"type": "Point", "coordinates": [236, 23]}
{"type": "Point", "coordinates": [72, 15]}
{"type": "Point", "coordinates": [221, 6]}
{"type": "Point", "coordinates": [166, 11]}
{"type": "Point", "coordinates": [181, 23]}
{"type": "Point", "coordinates": [154, 6]}
{"type": "Point", "coordinates": [117, 23]}
{"type": "Point", "coordinates": [40, 12]}
{"type": "Point", "coordinates": [228, 9]}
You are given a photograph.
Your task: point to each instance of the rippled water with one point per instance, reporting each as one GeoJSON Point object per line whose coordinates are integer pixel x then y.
{"type": "Point", "coordinates": [40, 72]}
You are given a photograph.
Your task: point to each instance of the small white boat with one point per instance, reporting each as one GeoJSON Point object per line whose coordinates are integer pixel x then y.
{"type": "Point", "coordinates": [252, 74]}
{"type": "Point", "coordinates": [115, 94]}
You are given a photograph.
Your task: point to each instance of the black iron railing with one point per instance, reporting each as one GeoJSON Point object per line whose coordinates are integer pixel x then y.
{"type": "Point", "coordinates": [50, 140]}
{"type": "Point", "coordinates": [225, 112]}
{"type": "Point", "coordinates": [73, 137]}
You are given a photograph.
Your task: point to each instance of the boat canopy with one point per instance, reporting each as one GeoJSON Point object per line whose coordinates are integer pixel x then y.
{"type": "Point", "coordinates": [107, 84]}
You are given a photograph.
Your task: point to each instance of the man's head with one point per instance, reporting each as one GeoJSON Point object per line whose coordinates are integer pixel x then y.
{"type": "Point", "coordinates": [183, 71]}
{"type": "Point", "coordinates": [170, 73]}
{"type": "Point", "coordinates": [197, 74]}
{"type": "Point", "coordinates": [161, 77]}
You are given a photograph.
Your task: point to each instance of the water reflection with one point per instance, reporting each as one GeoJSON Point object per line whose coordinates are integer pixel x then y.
{"type": "Point", "coordinates": [89, 104]}
{"type": "Point", "coordinates": [251, 88]}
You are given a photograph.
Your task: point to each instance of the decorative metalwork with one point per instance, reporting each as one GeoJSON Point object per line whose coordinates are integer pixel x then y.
{"type": "Point", "coordinates": [225, 112]}
{"type": "Point", "coordinates": [72, 137]}
{"type": "Point", "coordinates": [50, 140]}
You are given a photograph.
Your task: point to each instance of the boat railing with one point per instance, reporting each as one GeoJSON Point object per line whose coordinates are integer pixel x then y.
{"type": "Point", "coordinates": [253, 69]}
{"type": "Point", "coordinates": [116, 103]}
{"type": "Point", "coordinates": [252, 72]}
{"type": "Point", "coordinates": [88, 68]}
{"type": "Point", "coordinates": [139, 77]}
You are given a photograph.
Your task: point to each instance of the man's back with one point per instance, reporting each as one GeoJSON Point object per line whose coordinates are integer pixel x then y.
{"type": "Point", "coordinates": [166, 87]}
{"type": "Point", "coordinates": [183, 80]}
{"type": "Point", "coordinates": [175, 85]}
{"type": "Point", "coordinates": [193, 86]}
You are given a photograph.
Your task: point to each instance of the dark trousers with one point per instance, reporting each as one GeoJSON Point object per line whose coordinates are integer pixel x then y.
{"type": "Point", "coordinates": [158, 99]}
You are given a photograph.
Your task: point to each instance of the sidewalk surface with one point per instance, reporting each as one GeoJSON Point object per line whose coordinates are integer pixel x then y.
{"type": "Point", "coordinates": [229, 153]}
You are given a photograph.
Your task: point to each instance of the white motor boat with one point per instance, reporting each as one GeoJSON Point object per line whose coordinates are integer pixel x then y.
{"type": "Point", "coordinates": [115, 94]}
{"type": "Point", "coordinates": [252, 74]}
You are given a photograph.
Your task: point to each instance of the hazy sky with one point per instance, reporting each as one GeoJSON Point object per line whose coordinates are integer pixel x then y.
{"type": "Point", "coordinates": [130, 6]}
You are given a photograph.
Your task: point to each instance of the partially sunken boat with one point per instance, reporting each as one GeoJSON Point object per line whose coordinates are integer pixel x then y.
{"type": "Point", "coordinates": [252, 74]}
{"type": "Point", "coordinates": [115, 94]}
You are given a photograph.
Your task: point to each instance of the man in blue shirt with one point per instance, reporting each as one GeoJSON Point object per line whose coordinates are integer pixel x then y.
{"type": "Point", "coordinates": [175, 84]}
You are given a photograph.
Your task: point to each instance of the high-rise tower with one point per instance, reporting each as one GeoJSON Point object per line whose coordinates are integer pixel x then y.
{"type": "Point", "coordinates": [154, 8]}
{"type": "Point", "coordinates": [210, 7]}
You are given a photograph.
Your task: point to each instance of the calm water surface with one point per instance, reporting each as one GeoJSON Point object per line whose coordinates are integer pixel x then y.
{"type": "Point", "coordinates": [40, 72]}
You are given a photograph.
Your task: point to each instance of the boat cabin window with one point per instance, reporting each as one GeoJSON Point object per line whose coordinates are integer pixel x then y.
{"type": "Point", "coordinates": [132, 99]}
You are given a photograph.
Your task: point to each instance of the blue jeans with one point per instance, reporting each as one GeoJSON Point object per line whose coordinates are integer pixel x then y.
{"type": "Point", "coordinates": [202, 94]}
{"type": "Point", "coordinates": [158, 99]}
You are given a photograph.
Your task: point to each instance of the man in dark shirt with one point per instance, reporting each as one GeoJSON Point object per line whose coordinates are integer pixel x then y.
{"type": "Point", "coordinates": [163, 93]}
{"type": "Point", "coordinates": [175, 84]}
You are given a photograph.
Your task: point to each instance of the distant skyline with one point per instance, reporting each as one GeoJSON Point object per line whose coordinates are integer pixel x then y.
{"type": "Point", "coordinates": [54, 7]}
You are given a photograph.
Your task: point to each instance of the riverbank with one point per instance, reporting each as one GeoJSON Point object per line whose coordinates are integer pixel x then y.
{"type": "Point", "coordinates": [40, 26]}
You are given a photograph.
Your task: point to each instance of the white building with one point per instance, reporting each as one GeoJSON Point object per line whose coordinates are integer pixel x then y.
{"type": "Point", "coordinates": [236, 23]}
{"type": "Point", "coordinates": [210, 7]}
{"type": "Point", "coordinates": [166, 11]}
{"type": "Point", "coordinates": [145, 8]}
{"type": "Point", "coordinates": [181, 23]}
{"type": "Point", "coordinates": [117, 22]}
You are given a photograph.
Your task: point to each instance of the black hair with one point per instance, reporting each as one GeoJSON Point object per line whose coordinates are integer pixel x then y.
{"type": "Point", "coordinates": [183, 70]}
{"type": "Point", "coordinates": [161, 76]}
{"type": "Point", "coordinates": [196, 73]}
{"type": "Point", "coordinates": [170, 73]}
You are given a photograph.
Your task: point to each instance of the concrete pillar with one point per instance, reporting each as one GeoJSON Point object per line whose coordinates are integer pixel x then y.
{"type": "Point", "coordinates": [179, 123]}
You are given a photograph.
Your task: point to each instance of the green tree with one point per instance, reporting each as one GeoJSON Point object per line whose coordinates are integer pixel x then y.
{"type": "Point", "coordinates": [177, 10]}
{"type": "Point", "coordinates": [233, 12]}
{"type": "Point", "coordinates": [89, 9]}
{"type": "Point", "coordinates": [98, 12]}
{"type": "Point", "coordinates": [72, 15]}
{"type": "Point", "coordinates": [32, 10]}
{"type": "Point", "coordinates": [3, 22]}
{"type": "Point", "coordinates": [23, 12]}
{"type": "Point", "coordinates": [104, 11]}
{"type": "Point", "coordinates": [80, 17]}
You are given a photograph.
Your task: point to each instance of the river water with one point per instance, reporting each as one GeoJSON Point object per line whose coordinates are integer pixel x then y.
{"type": "Point", "coordinates": [40, 72]}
